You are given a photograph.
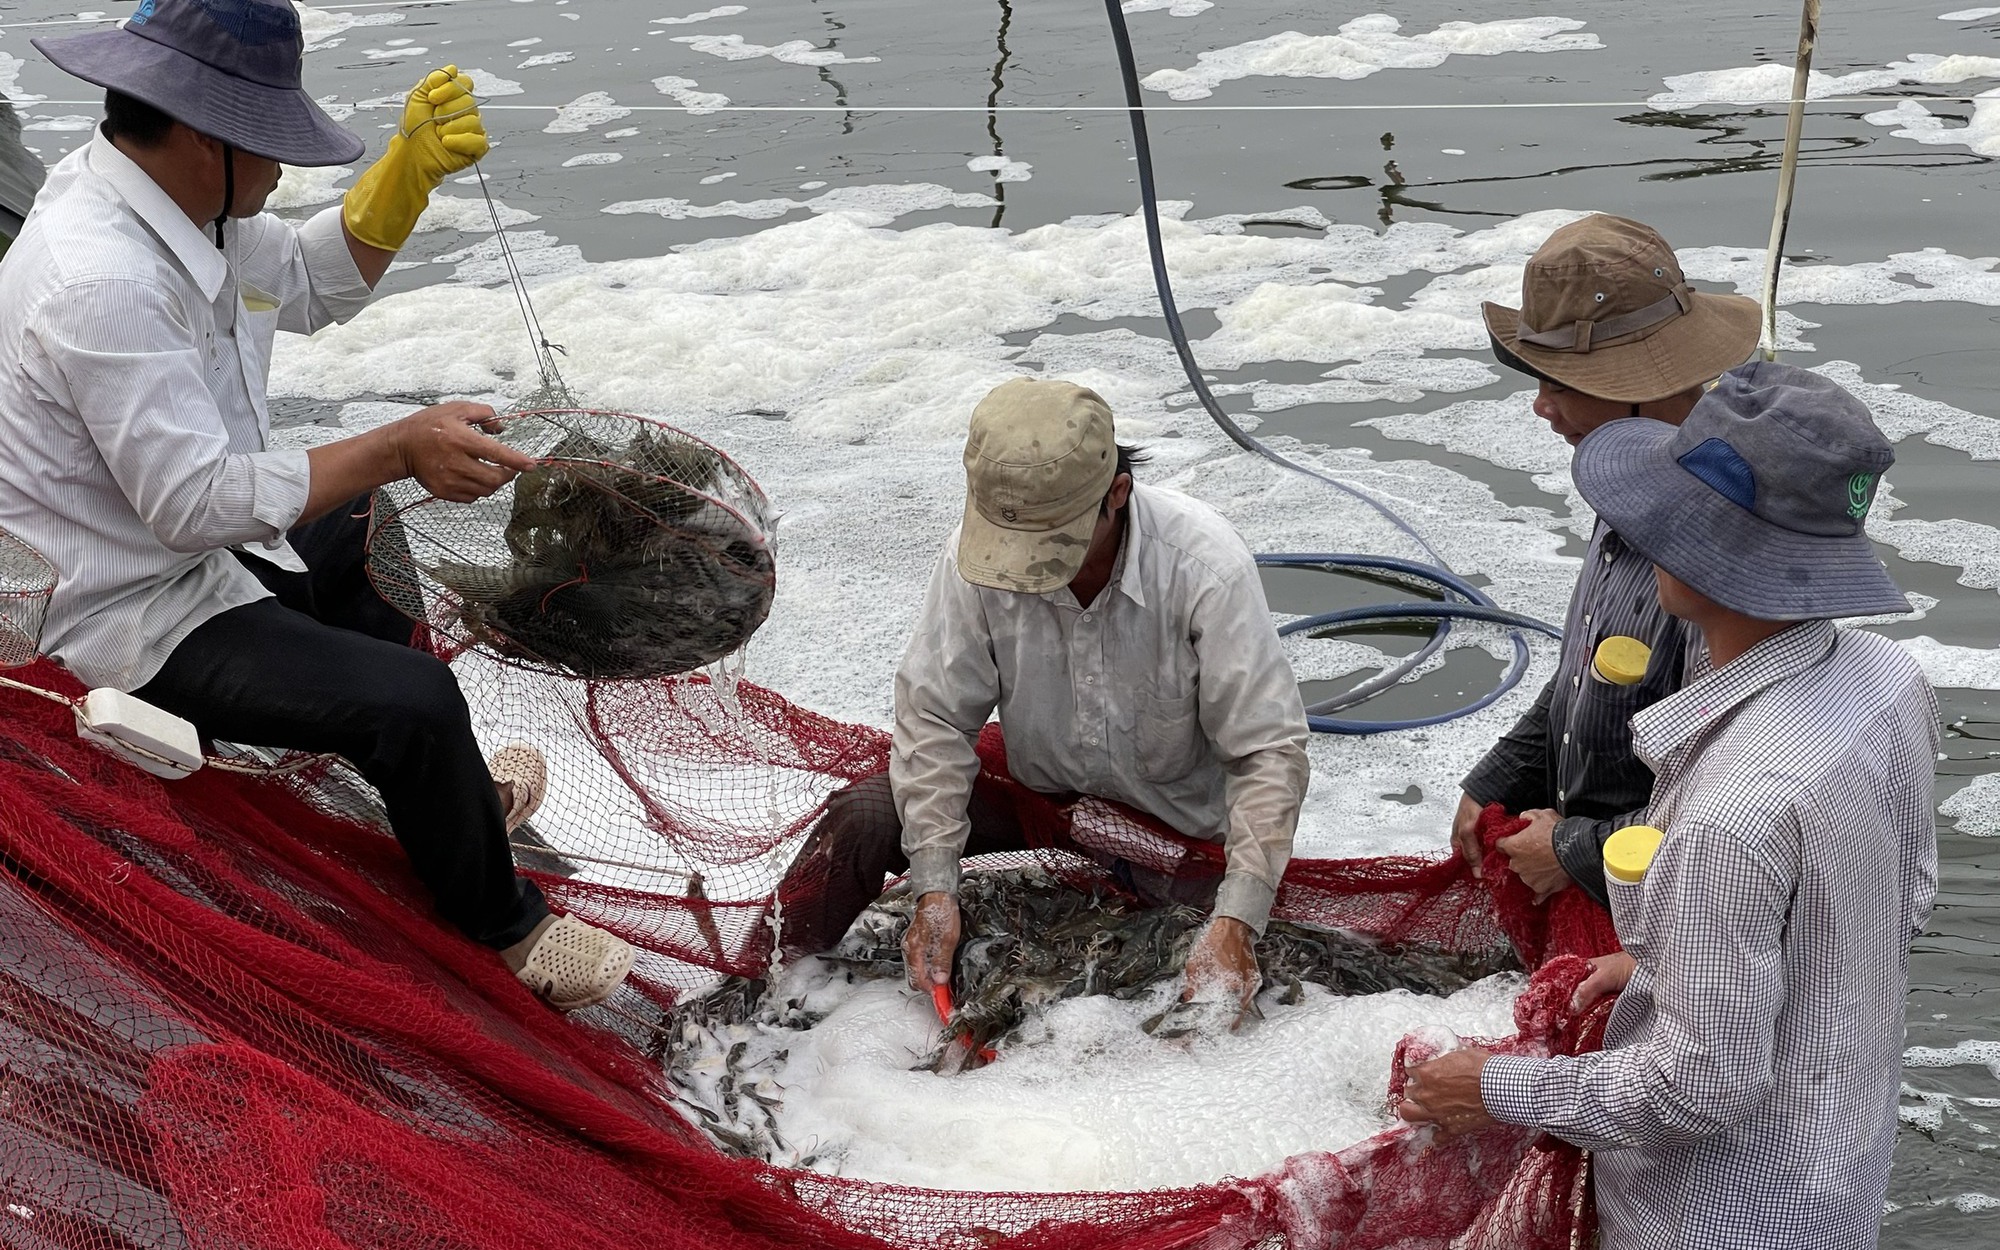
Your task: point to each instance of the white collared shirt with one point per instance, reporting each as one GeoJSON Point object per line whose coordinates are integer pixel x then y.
{"type": "Point", "coordinates": [133, 429]}
{"type": "Point", "coordinates": [1169, 693]}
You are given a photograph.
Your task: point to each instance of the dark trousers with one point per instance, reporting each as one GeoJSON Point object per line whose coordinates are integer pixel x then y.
{"type": "Point", "coordinates": [327, 667]}
{"type": "Point", "coordinates": [859, 841]}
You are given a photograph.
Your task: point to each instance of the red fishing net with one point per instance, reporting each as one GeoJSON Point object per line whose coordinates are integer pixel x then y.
{"type": "Point", "coordinates": [228, 1017]}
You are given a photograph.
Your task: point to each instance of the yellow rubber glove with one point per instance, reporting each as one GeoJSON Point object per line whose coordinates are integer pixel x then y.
{"type": "Point", "coordinates": [441, 134]}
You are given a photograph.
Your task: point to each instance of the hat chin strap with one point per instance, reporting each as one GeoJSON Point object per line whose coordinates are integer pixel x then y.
{"type": "Point", "coordinates": [228, 191]}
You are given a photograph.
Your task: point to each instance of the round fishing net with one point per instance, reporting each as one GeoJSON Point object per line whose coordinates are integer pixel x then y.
{"type": "Point", "coordinates": [26, 582]}
{"type": "Point", "coordinates": [631, 550]}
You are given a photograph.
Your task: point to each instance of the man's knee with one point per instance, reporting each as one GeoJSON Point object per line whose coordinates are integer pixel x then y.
{"type": "Point", "coordinates": [861, 820]}
{"type": "Point", "coordinates": [421, 691]}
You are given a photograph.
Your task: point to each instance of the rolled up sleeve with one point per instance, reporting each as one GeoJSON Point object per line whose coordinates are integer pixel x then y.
{"type": "Point", "coordinates": [1713, 970]}
{"type": "Point", "coordinates": [1251, 712]}
{"type": "Point", "coordinates": [946, 689]}
{"type": "Point", "coordinates": [119, 353]}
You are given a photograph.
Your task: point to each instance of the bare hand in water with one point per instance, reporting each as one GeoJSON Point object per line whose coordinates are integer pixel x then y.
{"type": "Point", "coordinates": [1222, 967]}
{"type": "Point", "coordinates": [931, 941]}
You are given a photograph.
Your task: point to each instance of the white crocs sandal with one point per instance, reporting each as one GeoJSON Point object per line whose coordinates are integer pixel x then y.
{"type": "Point", "coordinates": [575, 965]}
{"type": "Point", "coordinates": [526, 769]}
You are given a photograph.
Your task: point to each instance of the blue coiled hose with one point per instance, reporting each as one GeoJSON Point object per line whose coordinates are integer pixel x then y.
{"type": "Point", "coordinates": [1461, 600]}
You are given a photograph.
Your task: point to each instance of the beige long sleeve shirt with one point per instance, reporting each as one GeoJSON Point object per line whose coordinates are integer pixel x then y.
{"type": "Point", "coordinates": [1168, 693]}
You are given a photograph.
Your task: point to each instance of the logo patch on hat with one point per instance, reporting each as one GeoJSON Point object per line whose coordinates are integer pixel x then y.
{"type": "Point", "coordinates": [144, 12]}
{"type": "Point", "coordinates": [1861, 493]}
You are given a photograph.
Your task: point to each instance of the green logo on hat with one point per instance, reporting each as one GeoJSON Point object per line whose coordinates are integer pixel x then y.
{"type": "Point", "coordinates": [1860, 493]}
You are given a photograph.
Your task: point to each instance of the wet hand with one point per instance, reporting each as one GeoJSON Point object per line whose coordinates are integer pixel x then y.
{"type": "Point", "coordinates": [931, 940]}
{"type": "Point", "coordinates": [444, 450]}
{"type": "Point", "coordinates": [1445, 1092]}
{"type": "Point", "coordinates": [1465, 834]}
{"type": "Point", "coordinates": [1532, 854]}
{"type": "Point", "coordinates": [1608, 975]}
{"type": "Point", "coordinates": [1222, 967]}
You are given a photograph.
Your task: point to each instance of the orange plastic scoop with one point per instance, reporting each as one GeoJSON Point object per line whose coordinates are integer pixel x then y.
{"type": "Point", "coordinates": [942, 1000]}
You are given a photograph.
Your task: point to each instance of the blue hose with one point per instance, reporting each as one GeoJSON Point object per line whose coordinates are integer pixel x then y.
{"type": "Point", "coordinates": [1463, 601]}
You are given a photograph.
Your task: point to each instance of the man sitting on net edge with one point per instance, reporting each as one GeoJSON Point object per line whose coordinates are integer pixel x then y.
{"type": "Point", "coordinates": [1122, 632]}
{"type": "Point", "coordinates": [134, 450]}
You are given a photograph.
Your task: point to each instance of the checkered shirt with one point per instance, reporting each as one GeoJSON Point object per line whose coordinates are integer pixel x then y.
{"type": "Point", "coordinates": [1746, 1093]}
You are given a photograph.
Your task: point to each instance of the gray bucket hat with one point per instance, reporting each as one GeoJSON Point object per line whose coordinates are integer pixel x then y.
{"type": "Point", "coordinates": [227, 68]}
{"type": "Point", "coordinates": [1757, 500]}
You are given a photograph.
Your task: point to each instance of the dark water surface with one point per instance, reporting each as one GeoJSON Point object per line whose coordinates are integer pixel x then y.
{"type": "Point", "coordinates": [1703, 176]}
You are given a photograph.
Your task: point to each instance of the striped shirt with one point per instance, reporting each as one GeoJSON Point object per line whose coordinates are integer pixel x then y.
{"type": "Point", "coordinates": [133, 359]}
{"type": "Point", "coordinates": [1746, 1093]}
{"type": "Point", "coordinates": [1572, 751]}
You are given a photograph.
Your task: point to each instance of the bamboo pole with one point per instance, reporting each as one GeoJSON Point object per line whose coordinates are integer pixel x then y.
{"type": "Point", "coordinates": [1788, 169]}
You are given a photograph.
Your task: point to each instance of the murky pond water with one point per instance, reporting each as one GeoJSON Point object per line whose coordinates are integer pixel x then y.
{"type": "Point", "coordinates": [1005, 116]}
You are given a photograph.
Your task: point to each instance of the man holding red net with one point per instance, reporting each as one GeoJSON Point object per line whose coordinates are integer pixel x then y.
{"type": "Point", "coordinates": [137, 314]}
{"type": "Point", "coordinates": [1122, 634]}
{"type": "Point", "coordinates": [1610, 329]}
{"type": "Point", "coordinates": [1746, 1093]}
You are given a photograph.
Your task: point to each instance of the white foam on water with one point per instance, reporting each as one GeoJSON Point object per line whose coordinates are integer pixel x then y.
{"type": "Point", "coordinates": [1929, 274]}
{"type": "Point", "coordinates": [1954, 667]}
{"type": "Point", "coordinates": [1367, 45]}
{"type": "Point", "coordinates": [878, 204]}
{"type": "Point", "coordinates": [623, 132]}
{"type": "Point", "coordinates": [547, 58]}
{"type": "Point", "coordinates": [1974, 810]}
{"type": "Point", "coordinates": [682, 91]}
{"type": "Point", "coordinates": [487, 85]}
{"type": "Point", "coordinates": [586, 112]}
{"type": "Point", "coordinates": [10, 80]}
{"type": "Point", "coordinates": [1002, 168]}
{"type": "Point", "coordinates": [462, 213]}
{"type": "Point", "coordinates": [65, 122]}
{"type": "Point", "coordinates": [1172, 8]}
{"type": "Point", "coordinates": [712, 179]}
{"type": "Point", "coordinates": [322, 27]}
{"type": "Point", "coordinates": [392, 54]}
{"type": "Point", "coordinates": [1967, 1053]}
{"type": "Point", "coordinates": [1772, 83]}
{"type": "Point", "coordinates": [1086, 1100]}
{"type": "Point", "coordinates": [1968, 15]}
{"type": "Point", "coordinates": [1914, 121]}
{"type": "Point", "coordinates": [593, 158]}
{"type": "Point", "coordinates": [793, 52]}
{"type": "Point", "coordinates": [727, 10]}
{"type": "Point", "coordinates": [302, 187]}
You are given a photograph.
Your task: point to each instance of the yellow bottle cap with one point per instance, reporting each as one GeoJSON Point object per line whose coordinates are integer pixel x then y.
{"type": "Point", "coordinates": [1622, 661]}
{"type": "Point", "coordinates": [1629, 852]}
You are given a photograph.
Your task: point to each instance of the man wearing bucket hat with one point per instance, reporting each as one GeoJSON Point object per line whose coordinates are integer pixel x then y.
{"type": "Point", "coordinates": [137, 313]}
{"type": "Point", "coordinates": [1122, 633]}
{"type": "Point", "coordinates": [1610, 329]}
{"type": "Point", "coordinates": [1746, 1093]}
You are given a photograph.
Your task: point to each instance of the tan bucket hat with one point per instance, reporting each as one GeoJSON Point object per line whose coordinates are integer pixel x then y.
{"type": "Point", "coordinates": [1606, 310]}
{"type": "Point", "coordinates": [1038, 460]}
